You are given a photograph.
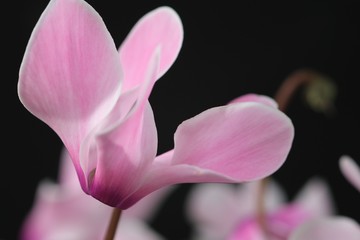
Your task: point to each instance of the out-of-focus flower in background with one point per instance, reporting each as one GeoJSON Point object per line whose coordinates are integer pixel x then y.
{"type": "Point", "coordinates": [96, 99]}
{"type": "Point", "coordinates": [337, 226]}
{"type": "Point", "coordinates": [328, 228]}
{"type": "Point", "coordinates": [63, 211]}
{"type": "Point", "coordinates": [230, 211]}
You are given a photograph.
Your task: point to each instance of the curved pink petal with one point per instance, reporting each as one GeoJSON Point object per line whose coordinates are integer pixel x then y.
{"type": "Point", "coordinates": [127, 137]}
{"type": "Point", "coordinates": [234, 143]}
{"type": "Point", "coordinates": [121, 168]}
{"type": "Point", "coordinates": [249, 230]}
{"type": "Point", "coordinates": [331, 228]}
{"type": "Point", "coordinates": [316, 198]}
{"type": "Point", "coordinates": [127, 150]}
{"type": "Point", "coordinates": [130, 106]}
{"type": "Point", "coordinates": [280, 224]}
{"type": "Point", "coordinates": [68, 179]}
{"type": "Point", "coordinates": [252, 97]}
{"type": "Point", "coordinates": [243, 141]}
{"type": "Point", "coordinates": [212, 208]}
{"type": "Point", "coordinates": [229, 205]}
{"type": "Point", "coordinates": [350, 170]}
{"type": "Point", "coordinates": [88, 150]}
{"type": "Point", "coordinates": [70, 76]}
{"type": "Point", "coordinates": [283, 222]}
{"type": "Point", "coordinates": [160, 28]}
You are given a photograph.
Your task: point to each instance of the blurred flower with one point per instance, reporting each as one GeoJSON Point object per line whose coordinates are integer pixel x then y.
{"type": "Point", "coordinates": [334, 227]}
{"type": "Point", "coordinates": [328, 228]}
{"type": "Point", "coordinates": [63, 211]}
{"type": "Point", "coordinates": [96, 99]}
{"type": "Point", "coordinates": [221, 212]}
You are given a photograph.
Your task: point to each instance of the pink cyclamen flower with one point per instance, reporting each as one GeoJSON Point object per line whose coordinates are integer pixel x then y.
{"type": "Point", "coordinates": [333, 227]}
{"type": "Point", "coordinates": [63, 211]}
{"type": "Point", "coordinates": [230, 212]}
{"type": "Point", "coordinates": [95, 98]}
{"type": "Point", "coordinates": [328, 228]}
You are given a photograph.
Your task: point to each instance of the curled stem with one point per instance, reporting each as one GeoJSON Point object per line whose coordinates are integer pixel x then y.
{"type": "Point", "coordinates": [113, 224]}
{"type": "Point", "coordinates": [288, 88]}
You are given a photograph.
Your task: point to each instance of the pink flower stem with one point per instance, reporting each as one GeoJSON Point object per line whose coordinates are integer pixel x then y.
{"type": "Point", "coordinates": [283, 97]}
{"type": "Point", "coordinates": [261, 211]}
{"type": "Point", "coordinates": [113, 224]}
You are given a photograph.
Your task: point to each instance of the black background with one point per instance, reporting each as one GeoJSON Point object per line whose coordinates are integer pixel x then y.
{"type": "Point", "coordinates": [230, 48]}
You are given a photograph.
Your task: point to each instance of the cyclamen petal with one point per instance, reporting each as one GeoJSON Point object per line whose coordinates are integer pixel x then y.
{"type": "Point", "coordinates": [251, 97]}
{"type": "Point", "coordinates": [330, 228]}
{"type": "Point", "coordinates": [235, 216]}
{"type": "Point", "coordinates": [129, 168]}
{"type": "Point", "coordinates": [280, 225]}
{"type": "Point", "coordinates": [350, 170]}
{"type": "Point", "coordinates": [126, 151]}
{"type": "Point", "coordinates": [162, 27]}
{"type": "Point", "coordinates": [70, 76]}
{"type": "Point", "coordinates": [235, 143]}
{"type": "Point", "coordinates": [316, 198]}
{"type": "Point", "coordinates": [229, 204]}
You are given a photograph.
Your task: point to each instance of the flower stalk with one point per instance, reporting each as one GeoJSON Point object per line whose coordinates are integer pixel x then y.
{"type": "Point", "coordinates": [113, 224]}
{"type": "Point", "coordinates": [261, 211]}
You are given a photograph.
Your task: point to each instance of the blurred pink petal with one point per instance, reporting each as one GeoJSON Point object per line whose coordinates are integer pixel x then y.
{"type": "Point", "coordinates": [68, 179]}
{"type": "Point", "coordinates": [220, 211]}
{"type": "Point", "coordinates": [63, 211]}
{"type": "Point", "coordinates": [285, 220]}
{"type": "Point", "coordinates": [331, 228]}
{"type": "Point", "coordinates": [249, 230]}
{"type": "Point", "coordinates": [280, 224]}
{"type": "Point", "coordinates": [316, 198]}
{"type": "Point", "coordinates": [350, 170]}
{"type": "Point", "coordinates": [212, 210]}
{"type": "Point", "coordinates": [228, 204]}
